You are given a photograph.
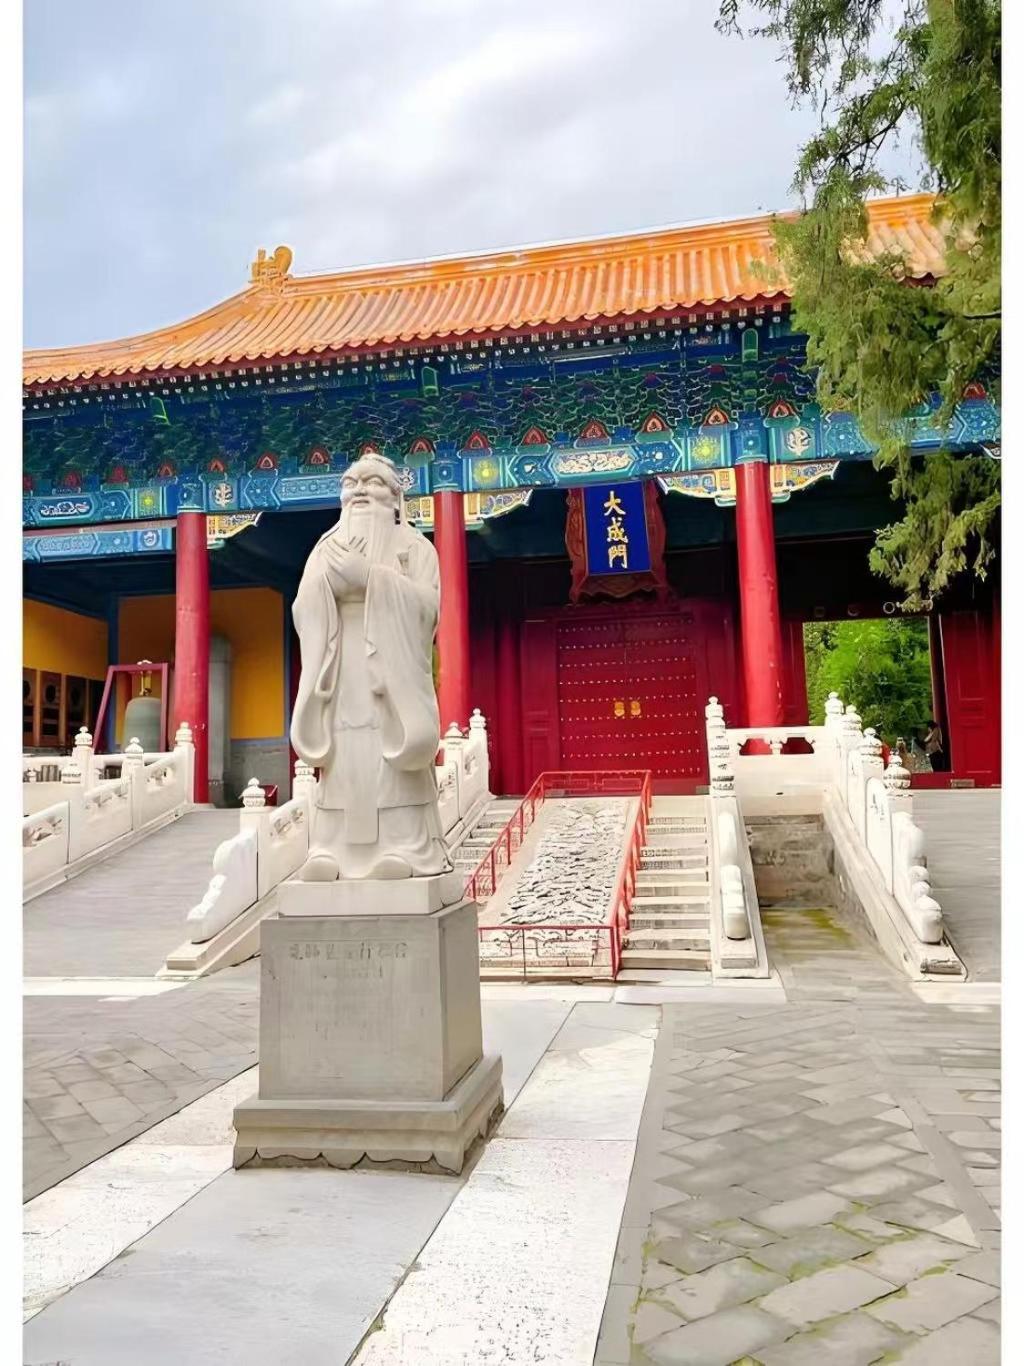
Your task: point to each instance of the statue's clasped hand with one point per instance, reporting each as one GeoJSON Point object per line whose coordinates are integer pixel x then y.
{"type": "Point", "coordinates": [347, 565]}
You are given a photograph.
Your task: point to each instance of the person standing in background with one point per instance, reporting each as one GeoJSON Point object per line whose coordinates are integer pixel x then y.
{"type": "Point", "coordinates": [934, 747]}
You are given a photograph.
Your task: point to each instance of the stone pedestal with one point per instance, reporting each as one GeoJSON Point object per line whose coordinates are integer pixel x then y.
{"type": "Point", "coordinates": [370, 1036]}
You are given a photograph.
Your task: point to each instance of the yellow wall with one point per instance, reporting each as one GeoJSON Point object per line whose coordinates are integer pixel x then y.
{"type": "Point", "coordinates": [62, 642]}
{"type": "Point", "coordinates": [252, 619]}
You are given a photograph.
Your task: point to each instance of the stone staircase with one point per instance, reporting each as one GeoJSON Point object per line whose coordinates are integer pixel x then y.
{"type": "Point", "coordinates": [670, 922]}
{"type": "Point", "coordinates": [492, 821]}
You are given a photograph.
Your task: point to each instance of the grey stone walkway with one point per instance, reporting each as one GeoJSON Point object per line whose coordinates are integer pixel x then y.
{"type": "Point", "coordinates": [815, 1181]}
{"type": "Point", "coordinates": [962, 828]}
{"type": "Point", "coordinates": [97, 1071]}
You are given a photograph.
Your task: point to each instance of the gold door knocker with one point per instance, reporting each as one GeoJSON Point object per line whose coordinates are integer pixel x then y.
{"type": "Point", "coordinates": [619, 710]}
{"type": "Point", "coordinates": [634, 708]}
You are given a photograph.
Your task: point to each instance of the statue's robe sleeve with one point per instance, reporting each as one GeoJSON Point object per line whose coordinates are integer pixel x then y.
{"type": "Point", "coordinates": [401, 619]}
{"type": "Point", "coordinates": [315, 614]}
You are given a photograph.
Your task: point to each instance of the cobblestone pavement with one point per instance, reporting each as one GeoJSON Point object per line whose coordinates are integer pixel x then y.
{"type": "Point", "coordinates": [99, 1072]}
{"type": "Point", "coordinates": [815, 1181]}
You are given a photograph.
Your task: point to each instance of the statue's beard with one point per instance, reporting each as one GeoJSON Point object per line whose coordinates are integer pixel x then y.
{"type": "Point", "coordinates": [375, 525]}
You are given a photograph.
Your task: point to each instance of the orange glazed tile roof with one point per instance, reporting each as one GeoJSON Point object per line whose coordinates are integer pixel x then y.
{"type": "Point", "coordinates": [280, 315]}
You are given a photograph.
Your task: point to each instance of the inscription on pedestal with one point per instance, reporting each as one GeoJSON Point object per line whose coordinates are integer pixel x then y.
{"type": "Point", "coordinates": [347, 1013]}
{"type": "Point", "coordinates": [366, 959]}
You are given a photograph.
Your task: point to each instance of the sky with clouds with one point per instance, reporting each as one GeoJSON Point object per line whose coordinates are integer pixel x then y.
{"type": "Point", "coordinates": [164, 143]}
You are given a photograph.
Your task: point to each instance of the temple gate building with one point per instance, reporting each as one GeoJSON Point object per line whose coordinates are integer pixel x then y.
{"type": "Point", "coordinates": [614, 443]}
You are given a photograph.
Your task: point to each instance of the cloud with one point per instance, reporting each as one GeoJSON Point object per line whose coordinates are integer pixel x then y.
{"type": "Point", "coordinates": [167, 143]}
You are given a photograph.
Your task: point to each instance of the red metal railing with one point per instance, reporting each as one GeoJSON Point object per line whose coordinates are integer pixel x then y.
{"type": "Point", "coordinates": [484, 880]}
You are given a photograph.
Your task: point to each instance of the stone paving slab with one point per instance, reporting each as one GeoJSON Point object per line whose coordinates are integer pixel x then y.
{"type": "Point", "coordinates": [99, 1072]}
{"type": "Point", "coordinates": [811, 1178]}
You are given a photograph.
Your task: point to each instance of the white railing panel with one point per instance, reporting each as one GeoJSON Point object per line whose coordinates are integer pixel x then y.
{"type": "Point", "coordinates": [911, 881]}
{"type": "Point", "coordinates": [447, 775]}
{"type": "Point", "coordinates": [232, 889]}
{"type": "Point", "coordinates": [100, 815]}
{"type": "Point", "coordinates": [878, 828]}
{"type": "Point", "coordinates": [159, 788]}
{"type": "Point", "coordinates": [45, 842]}
{"type": "Point", "coordinates": [283, 842]}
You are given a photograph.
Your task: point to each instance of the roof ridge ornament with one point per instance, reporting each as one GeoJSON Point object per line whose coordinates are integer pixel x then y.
{"type": "Point", "coordinates": [270, 272]}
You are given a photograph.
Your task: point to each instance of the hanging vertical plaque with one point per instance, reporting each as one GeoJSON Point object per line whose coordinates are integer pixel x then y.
{"type": "Point", "coordinates": [615, 536]}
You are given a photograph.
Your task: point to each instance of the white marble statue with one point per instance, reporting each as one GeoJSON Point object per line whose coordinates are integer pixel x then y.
{"type": "Point", "coordinates": [366, 713]}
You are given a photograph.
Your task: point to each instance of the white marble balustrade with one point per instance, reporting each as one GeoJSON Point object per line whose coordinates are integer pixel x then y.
{"type": "Point", "coordinates": [95, 812]}
{"type": "Point", "coordinates": [846, 761]}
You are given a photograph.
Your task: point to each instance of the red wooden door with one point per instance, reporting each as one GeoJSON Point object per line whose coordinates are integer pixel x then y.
{"type": "Point", "coordinates": [629, 696]}
{"type": "Point", "coordinates": [592, 694]}
{"type": "Point", "coordinates": [664, 710]}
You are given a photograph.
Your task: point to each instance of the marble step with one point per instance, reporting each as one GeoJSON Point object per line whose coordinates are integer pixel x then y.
{"type": "Point", "coordinates": [687, 840]}
{"type": "Point", "coordinates": [667, 863]}
{"type": "Point", "coordinates": [666, 937]}
{"type": "Point", "coordinates": [668, 920]}
{"type": "Point", "coordinates": [672, 903]}
{"type": "Point", "coordinates": [686, 879]}
{"type": "Point", "coordinates": [697, 861]}
{"type": "Point", "coordinates": [693, 960]}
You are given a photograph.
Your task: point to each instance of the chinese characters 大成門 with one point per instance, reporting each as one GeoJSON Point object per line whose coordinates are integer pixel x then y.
{"type": "Point", "coordinates": [618, 536]}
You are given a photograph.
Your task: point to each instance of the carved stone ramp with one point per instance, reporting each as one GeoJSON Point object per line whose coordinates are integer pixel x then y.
{"type": "Point", "coordinates": [234, 944]}
{"type": "Point", "coordinates": [862, 892]}
{"type": "Point", "coordinates": [117, 919]}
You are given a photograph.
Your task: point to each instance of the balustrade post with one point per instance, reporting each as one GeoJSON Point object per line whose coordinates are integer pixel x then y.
{"type": "Point", "coordinates": [834, 711]}
{"type": "Point", "coordinates": [304, 783]}
{"type": "Point", "coordinates": [82, 754]}
{"type": "Point", "coordinates": [184, 743]}
{"type": "Point", "coordinates": [71, 773]}
{"type": "Point", "coordinates": [720, 773]}
{"type": "Point", "coordinates": [132, 769]}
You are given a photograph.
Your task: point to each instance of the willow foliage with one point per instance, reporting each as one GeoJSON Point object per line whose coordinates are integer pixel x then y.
{"type": "Point", "coordinates": [930, 71]}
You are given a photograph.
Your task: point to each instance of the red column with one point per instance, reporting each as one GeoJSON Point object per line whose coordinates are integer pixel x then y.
{"type": "Point", "coordinates": [509, 728]}
{"type": "Point", "coordinates": [759, 595]}
{"type": "Point", "coordinates": [192, 641]}
{"type": "Point", "coordinates": [453, 628]}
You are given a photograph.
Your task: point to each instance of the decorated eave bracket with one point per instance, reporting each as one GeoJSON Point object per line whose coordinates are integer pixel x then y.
{"type": "Point", "coordinates": [720, 485]}
{"type": "Point", "coordinates": [697, 461]}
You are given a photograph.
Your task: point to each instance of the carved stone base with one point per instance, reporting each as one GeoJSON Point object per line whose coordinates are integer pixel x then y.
{"type": "Point", "coordinates": [341, 1133]}
{"type": "Point", "coordinates": [370, 1040]}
